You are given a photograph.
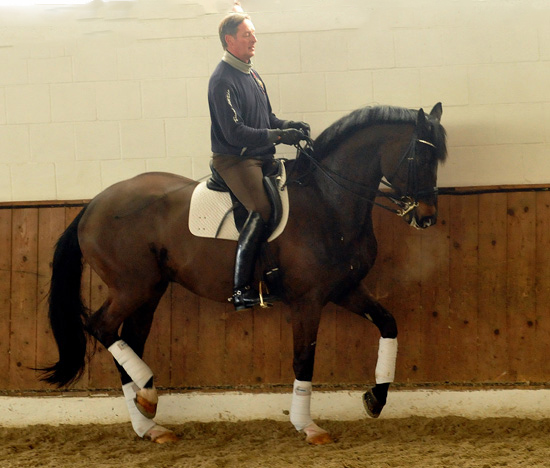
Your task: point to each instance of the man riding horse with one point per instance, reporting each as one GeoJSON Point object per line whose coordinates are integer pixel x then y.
{"type": "Point", "coordinates": [244, 133]}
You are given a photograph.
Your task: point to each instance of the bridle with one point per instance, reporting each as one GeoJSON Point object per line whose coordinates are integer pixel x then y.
{"type": "Point", "coordinates": [405, 202]}
{"type": "Point", "coordinates": [409, 200]}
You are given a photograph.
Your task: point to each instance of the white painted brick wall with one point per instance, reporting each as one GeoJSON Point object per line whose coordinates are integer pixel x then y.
{"type": "Point", "coordinates": [93, 94]}
{"type": "Point", "coordinates": [97, 140]}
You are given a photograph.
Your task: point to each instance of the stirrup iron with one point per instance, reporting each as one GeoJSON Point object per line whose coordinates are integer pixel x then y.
{"type": "Point", "coordinates": [261, 286]}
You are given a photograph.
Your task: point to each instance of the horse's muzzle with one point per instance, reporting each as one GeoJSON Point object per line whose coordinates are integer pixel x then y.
{"type": "Point", "coordinates": [423, 216]}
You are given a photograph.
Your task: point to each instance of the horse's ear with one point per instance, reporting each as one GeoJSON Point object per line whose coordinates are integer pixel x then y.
{"type": "Point", "coordinates": [437, 111]}
{"type": "Point", "coordinates": [420, 118]}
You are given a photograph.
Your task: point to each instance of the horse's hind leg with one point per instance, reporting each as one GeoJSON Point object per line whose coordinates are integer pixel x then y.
{"type": "Point", "coordinates": [361, 303]}
{"type": "Point", "coordinates": [142, 402]}
{"type": "Point", "coordinates": [135, 314]}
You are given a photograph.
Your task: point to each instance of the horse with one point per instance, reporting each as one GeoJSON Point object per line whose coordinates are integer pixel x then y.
{"type": "Point", "coordinates": [135, 235]}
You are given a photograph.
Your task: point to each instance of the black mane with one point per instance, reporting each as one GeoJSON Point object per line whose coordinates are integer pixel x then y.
{"type": "Point", "coordinates": [343, 128]}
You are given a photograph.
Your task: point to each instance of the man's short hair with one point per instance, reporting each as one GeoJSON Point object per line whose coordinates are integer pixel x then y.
{"type": "Point", "coordinates": [229, 25]}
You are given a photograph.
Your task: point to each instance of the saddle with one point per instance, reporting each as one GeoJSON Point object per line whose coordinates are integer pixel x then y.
{"type": "Point", "coordinates": [215, 212]}
{"type": "Point", "coordinates": [272, 171]}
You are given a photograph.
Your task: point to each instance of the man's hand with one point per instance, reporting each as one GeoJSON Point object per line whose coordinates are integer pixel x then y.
{"type": "Point", "coordinates": [291, 136]}
{"type": "Point", "coordinates": [304, 127]}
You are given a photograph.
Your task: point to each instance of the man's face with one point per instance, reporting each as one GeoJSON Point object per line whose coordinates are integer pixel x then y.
{"type": "Point", "coordinates": [242, 44]}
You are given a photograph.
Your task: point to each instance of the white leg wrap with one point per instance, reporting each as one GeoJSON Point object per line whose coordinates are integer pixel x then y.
{"type": "Point", "coordinates": [387, 355]}
{"type": "Point", "coordinates": [140, 423]}
{"type": "Point", "coordinates": [138, 371]}
{"type": "Point", "coordinates": [300, 415]}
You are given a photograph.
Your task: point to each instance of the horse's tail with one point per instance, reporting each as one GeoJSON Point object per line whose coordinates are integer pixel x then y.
{"type": "Point", "coordinates": [66, 310]}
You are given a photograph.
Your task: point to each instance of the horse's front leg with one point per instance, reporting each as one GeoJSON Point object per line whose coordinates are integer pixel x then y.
{"type": "Point", "coordinates": [305, 324]}
{"type": "Point", "coordinates": [360, 302]}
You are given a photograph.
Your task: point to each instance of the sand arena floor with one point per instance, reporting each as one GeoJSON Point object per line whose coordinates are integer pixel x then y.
{"type": "Point", "coordinates": [408, 442]}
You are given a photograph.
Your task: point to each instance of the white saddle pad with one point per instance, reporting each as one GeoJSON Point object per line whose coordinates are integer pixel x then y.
{"type": "Point", "coordinates": [208, 209]}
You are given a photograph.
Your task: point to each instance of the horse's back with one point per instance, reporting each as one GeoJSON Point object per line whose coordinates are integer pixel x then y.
{"type": "Point", "coordinates": [131, 194]}
{"type": "Point", "coordinates": [130, 217]}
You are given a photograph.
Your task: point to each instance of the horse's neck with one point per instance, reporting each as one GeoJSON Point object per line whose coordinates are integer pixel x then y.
{"type": "Point", "coordinates": [353, 185]}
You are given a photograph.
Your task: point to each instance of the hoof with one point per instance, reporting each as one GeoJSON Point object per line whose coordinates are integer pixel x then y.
{"type": "Point", "coordinates": [161, 435]}
{"type": "Point", "coordinates": [317, 436]}
{"type": "Point", "coordinates": [371, 404]}
{"type": "Point", "coordinates": [147, 401]}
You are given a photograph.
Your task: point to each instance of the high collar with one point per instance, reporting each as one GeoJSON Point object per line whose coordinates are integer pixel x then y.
{"type": "Point", "coordinates": [230, 59]}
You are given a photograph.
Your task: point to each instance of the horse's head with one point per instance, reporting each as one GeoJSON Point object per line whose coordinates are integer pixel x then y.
{"type": "Point", "coordinates": [413, 174]}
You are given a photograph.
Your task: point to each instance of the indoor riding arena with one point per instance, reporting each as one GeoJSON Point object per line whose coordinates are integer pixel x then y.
{"type": "Point", "coordinates": [94, 92]}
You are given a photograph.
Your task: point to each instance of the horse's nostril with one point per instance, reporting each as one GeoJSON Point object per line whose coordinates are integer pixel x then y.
{"type": "Point", "coordinates": [429, 221]}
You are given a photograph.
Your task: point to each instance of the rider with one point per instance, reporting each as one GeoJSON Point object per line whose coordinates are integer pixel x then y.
{"type": "Point", "coordinates": [243, 133]}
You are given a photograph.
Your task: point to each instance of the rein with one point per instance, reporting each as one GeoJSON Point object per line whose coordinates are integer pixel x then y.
{"type": "Point", "coordinates": [405, 203]}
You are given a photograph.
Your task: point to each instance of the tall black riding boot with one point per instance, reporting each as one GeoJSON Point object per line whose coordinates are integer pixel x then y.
{"type": "Point", "coordinates": [248, 247]}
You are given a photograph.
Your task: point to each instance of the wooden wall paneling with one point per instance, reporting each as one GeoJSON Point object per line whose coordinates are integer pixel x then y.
{"type": "Point", "coordinates": [471, 296]}
{"type": "Point", "coordinates": [345, 346]}
{"type": "Point", "coordinates": [407, 270]}
{"type": "Point", "coordinates": [492, 271]}
{"type": "Point", "coordinates": [5, 295]}
{"type": "Point", "coordinates": [157, 347]}
{"type": "Point", "coordinates": [463, 288]}
{"type": "Point", "coordinates": [211, 344]}
{"type": "Point", "coordinates": [185, 339]}
{"type": "Point", "coordinates": [239, 346]}
{"type": "Point", "coordinates": [542, 287]}
{"type": "Point", "coordinates": [342, 356]}
{"type": "Point", "coordinates": [521, 258]}
{"type": "Point", "coordinates": [266, 356]}
{"type": "Point", "coordinates": [51, 223]}
{"type": "Point", "coordinates": [23, 295]}
{"type": "Point", "coordinates": [357, 349]}
{"type": "Point", "coordinates": [434, 297]}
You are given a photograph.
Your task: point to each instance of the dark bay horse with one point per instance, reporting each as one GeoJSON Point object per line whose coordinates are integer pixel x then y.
{"type": "Point", "coordinates": [135, 235]}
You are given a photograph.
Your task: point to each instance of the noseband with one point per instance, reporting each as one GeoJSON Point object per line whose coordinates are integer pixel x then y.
{"type": "Point", "coordinates": [405, 203]}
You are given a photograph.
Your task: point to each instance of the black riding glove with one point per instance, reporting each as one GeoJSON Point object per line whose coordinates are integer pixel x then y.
{"type": "Point", "coordinates": [304, 127]}
{"type": "Point", "coordinates": [290, 136]}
